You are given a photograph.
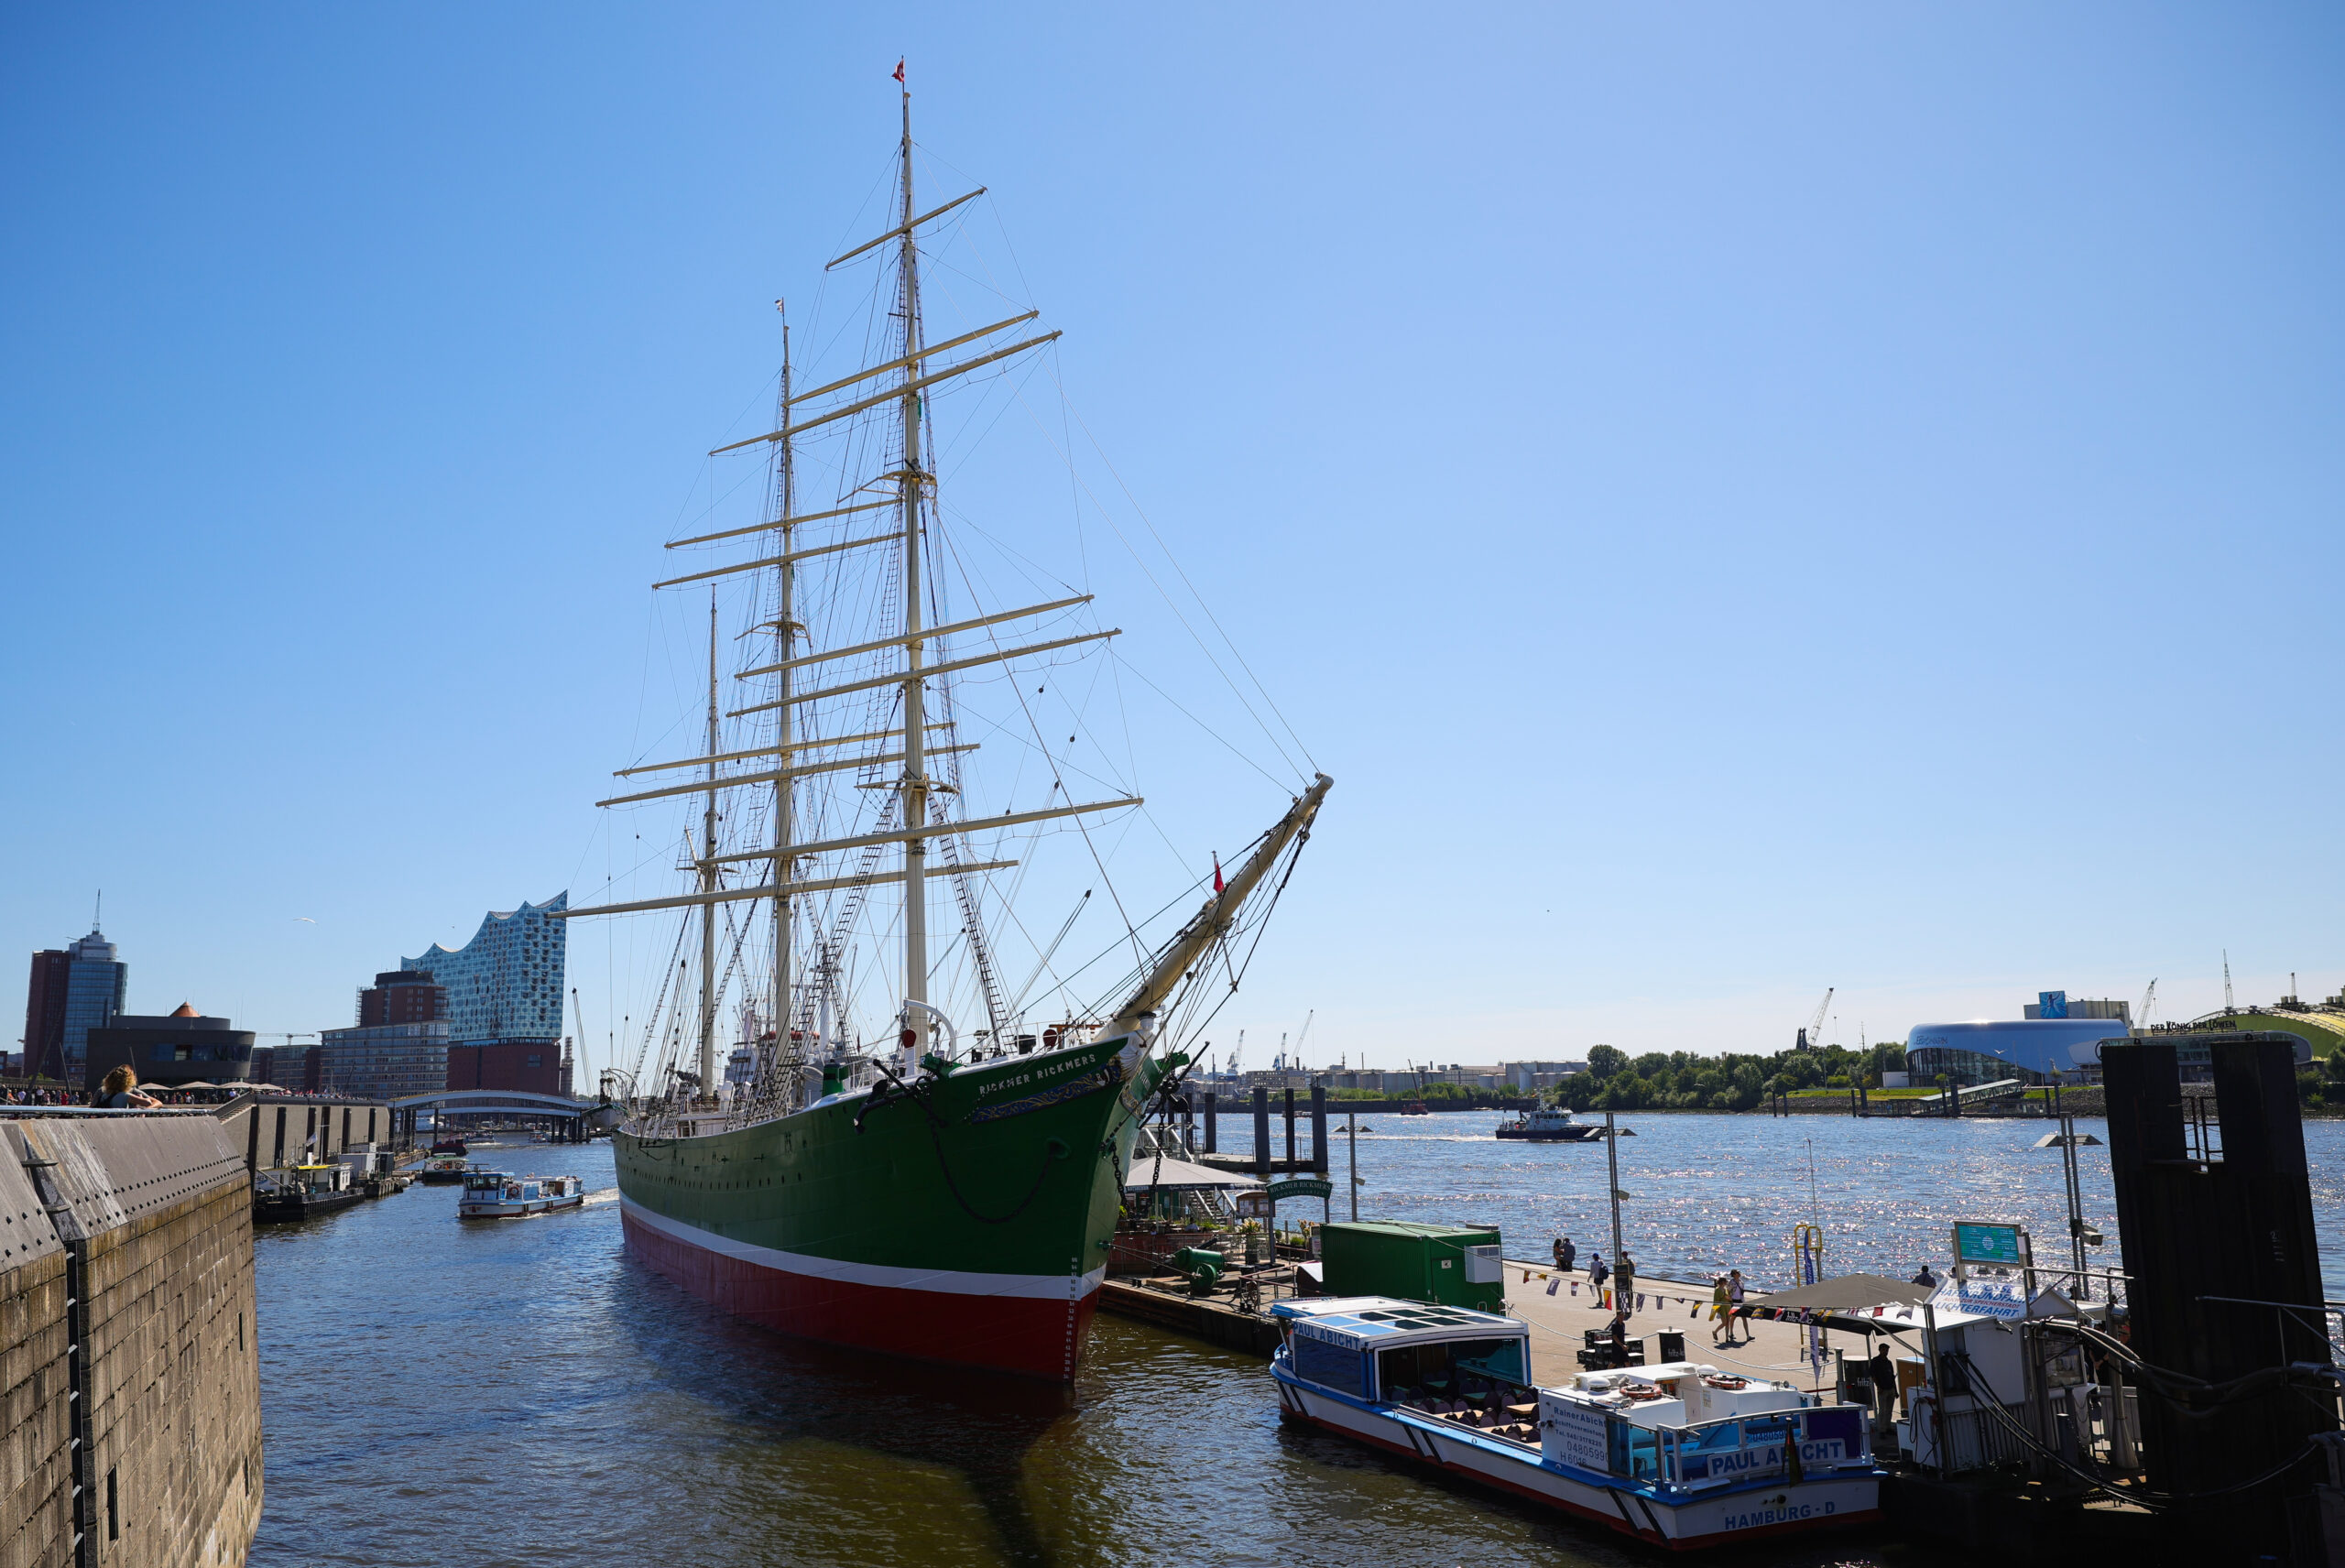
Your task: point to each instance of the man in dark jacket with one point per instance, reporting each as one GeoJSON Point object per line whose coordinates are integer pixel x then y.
{"type": "Point", "coordinates": [1885, 1384]}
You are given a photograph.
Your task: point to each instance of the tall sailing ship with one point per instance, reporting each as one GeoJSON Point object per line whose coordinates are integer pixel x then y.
{"type": "Point", "coordinates": [914, 1183]}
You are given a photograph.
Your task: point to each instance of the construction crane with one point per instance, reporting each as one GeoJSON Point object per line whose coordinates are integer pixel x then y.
{"type": "Point", "coordinates": [2149, 999]}
{"type": "Point", "coordinates": [1304, 1035]}
{"type": "Point", "coordinates": [2228, 1006]}
{"type": "Point", "coordinates": [1812, 1036]}
{"type": "Point", "coordinates": [1230, 1064]}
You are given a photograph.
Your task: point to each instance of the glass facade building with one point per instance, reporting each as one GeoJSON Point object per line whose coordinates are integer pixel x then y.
{"type": "Point", "coordinates": [95, 986]}
{"type": "Point", "coordinates": [507, 982]}
{"type": "Point", "coordinates": [2039, 1051]}
{"type": "Point", "coordinates": [386, 1061]}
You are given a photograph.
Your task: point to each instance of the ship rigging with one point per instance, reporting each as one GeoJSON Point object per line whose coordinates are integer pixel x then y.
{"type": "Point", "coordinates": [859, 1176]}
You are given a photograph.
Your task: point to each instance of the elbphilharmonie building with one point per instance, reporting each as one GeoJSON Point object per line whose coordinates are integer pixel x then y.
{"type": "Point", "coordinates": [507, 982]}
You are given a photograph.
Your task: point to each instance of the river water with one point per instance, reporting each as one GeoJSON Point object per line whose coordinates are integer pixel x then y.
{"type": "Point", "coordinates": [522, 1392]}
{"type": "Point", "coordinates": [1712, 1193]}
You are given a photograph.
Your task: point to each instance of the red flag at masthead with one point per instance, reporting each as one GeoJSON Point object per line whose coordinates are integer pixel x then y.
{"type": "Point", "coordinates": [1217, 874]}
{"type": "Point", "coordinates": [899, 70]}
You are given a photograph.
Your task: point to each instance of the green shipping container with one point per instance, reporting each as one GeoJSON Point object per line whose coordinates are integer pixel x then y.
{"type": "Point", "coordinates": [1455, 1265]}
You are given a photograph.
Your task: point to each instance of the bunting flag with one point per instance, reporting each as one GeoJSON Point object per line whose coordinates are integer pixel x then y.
{"type": "Point", "coordinates": [1641, 1301]}
{"type": "Point", "coordinates": [1692, 1309]}
{"type": "Point", "coordinates": [1553, 1283]}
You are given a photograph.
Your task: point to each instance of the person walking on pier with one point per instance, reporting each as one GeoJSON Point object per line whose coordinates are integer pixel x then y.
{"type": "Point", "coordinates": [1719, 1323]}
{"type": "Point", "coordinates": [1596, 1274]}
{"type": "Point", "coordinates": [1736, 1310]}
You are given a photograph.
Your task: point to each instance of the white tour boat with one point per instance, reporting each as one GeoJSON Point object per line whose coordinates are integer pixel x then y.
{"type": "Point", "coordinates": [494, 1194]}
{"type": "Point", "coordinates": [1679, 1456]}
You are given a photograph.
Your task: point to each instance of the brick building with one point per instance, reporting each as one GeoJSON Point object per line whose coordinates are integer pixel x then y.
{"type": "Point", "coordinates": [529, 1064]}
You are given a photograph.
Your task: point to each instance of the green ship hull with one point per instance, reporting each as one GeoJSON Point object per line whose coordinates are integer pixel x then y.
{"type": "Point", "coordinates": [967, 1223]}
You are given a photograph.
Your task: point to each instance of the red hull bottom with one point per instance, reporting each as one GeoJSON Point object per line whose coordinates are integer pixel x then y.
{"type": "Point", "coordinates": [1026, 1336]}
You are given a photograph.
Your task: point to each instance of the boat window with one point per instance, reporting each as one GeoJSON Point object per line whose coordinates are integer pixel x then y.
{"type": "Point", "coordinates": [1634, 1450]}
{"type": "Point", "coordinates": [1712, 1438]}
{"type": "Point", "coordinates": [1841, 1424]}
{"type": "Point", "coordinates": [1331, 1365]}
{"type": "Point", "coordinates": [1498, 1358]}
{"type": "Point", "coordinates": [1400, 1371]}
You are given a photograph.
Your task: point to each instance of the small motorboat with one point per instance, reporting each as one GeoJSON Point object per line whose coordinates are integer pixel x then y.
{"type": "Point", "coordinates": [494, 1194]}
{"type": "Point", "coordinates": [1415, 1108]}
{"type": "Point", "coordinates": [1551, 1123]}
{"type": "Point", "coordinates": [1679, 1456]}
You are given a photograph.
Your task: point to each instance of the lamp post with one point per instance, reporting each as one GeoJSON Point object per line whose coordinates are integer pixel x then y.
{"type": "Point", "coordinates": [1351, 1136]}
{"type": "Point", "coordinates": [2068, 1140]}
{"type": "Point", "coordinates": [1612, 1158]}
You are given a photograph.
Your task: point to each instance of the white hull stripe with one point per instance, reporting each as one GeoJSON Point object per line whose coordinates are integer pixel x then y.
{"type": "Point", "coordinates": [949, 1281]}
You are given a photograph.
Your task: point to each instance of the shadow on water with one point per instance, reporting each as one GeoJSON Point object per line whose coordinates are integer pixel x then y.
{"type": "Point", "coordinates": [981, 1426]}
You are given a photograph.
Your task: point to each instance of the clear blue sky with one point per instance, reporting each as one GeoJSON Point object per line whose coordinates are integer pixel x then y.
{"type": "Point", "coordinates": [1743, 500]}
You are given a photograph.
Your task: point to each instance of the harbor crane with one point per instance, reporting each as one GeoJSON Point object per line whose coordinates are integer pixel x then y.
{"type": "Point", "coordinates": [1812, 1036]}
{"type": "Point", "coordinates": [2149, 1000]}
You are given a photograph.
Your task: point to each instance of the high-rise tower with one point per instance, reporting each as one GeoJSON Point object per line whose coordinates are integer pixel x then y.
{"type": "Point", "coordinates": [71, 992]}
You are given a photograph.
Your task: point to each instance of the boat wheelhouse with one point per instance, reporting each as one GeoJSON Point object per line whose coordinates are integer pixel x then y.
{"type": "Point", "coordinates": [1680, 1456]}
{"type": "Point", "coordinates": [494, 1194]}
{"type": "Point", "coordinates": [303, 1192]}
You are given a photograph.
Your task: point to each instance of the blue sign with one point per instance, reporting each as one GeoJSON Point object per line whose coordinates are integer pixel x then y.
{"type": "Point", "coordinates": [2000, 1299]}
{"type": "Point", "coordinates": [2052, 1004]}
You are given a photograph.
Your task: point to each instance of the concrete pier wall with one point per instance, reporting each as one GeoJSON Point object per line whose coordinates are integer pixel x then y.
{"type": "Point", "coordinates": [273, 1130]}
{"type": "Point", "coordinates": [127, 1276]}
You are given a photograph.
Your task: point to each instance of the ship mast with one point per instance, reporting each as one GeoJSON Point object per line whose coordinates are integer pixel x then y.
{"type": "Point", "coordinates": [784, 633]}
{"type": "Point", "coordinates": [908, 480]}
{"type": "Point", "coordinates": [1210, 924]}
{"type": "Point", "coordinates": [916, 791]}
{"type": "Point", "coordinates": [708, 880]}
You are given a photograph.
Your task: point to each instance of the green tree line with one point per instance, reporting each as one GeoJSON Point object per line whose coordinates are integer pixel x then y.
{"type": "Point", "coordinates": [1679, 1080]}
